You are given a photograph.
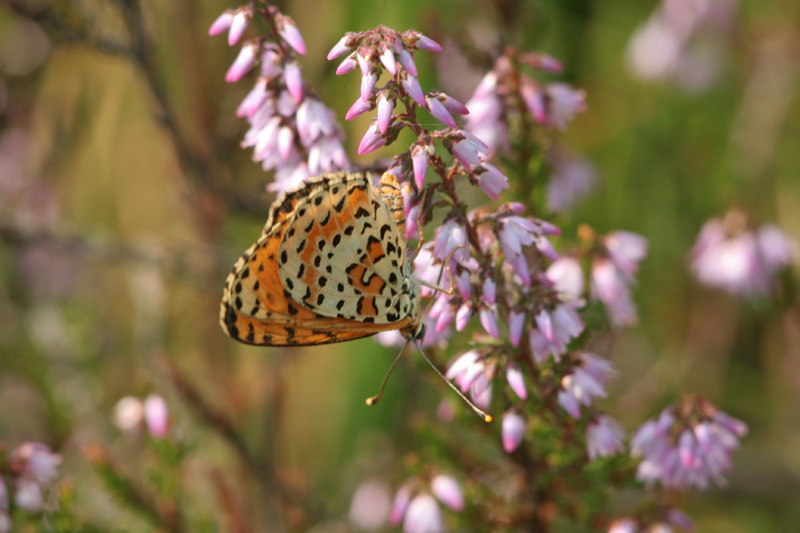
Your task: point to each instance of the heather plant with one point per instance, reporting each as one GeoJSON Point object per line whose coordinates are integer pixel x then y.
{"type": "Point", "coordinates": [507, 273]}
{"type": "Point", "coordinates": [132, 410]}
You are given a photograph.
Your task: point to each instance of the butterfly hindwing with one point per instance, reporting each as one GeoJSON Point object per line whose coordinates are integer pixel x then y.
{"type": "Point", "coordinates": [328, 267]}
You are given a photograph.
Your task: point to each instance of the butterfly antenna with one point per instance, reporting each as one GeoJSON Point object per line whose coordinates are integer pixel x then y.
{"type": "Point", "coordinates": [485, 416]}
{"type": "Point", "coordinates": [375, 399]}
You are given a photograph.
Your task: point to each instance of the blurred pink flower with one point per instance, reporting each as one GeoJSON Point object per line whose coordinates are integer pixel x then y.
{"type": "Point", "coordinates": [623, 525]}
{"type": "Point", "coordinates": [516, 380]}
{"type": "Point", "coordinates": [243, 63]}
{"type": "Point", "coordinates": [400, 503]}
{"type": "Point", "coordinates": [38, 462]}
{"type": "Point", "coordinates": [626, 250]}
{"type": "Point", "coordinates": [418, 510]}
{"type": "Point", "coordinates": [156, 415]}
{"type": "Point", "coordinates": [742, 263]}
{"type": "Point", "coordinates": [563, 103]}
{"type": "Point", "coordinates": [567, 277]}
{"type": "Point", "coordinates": [423, 515]}
{"type": "Point", "coordinates": [604, 437]}
{"type": "Point", "coordinates": [611, 286]}
{"type": "Point", "coordinates": [587, 381]}
{"type": "Point", "coordinates": [448, 491]}
{"type": "Point", "coordinates": [238, 24]}
{"type": "Point", "coordinates": [687, 448]}
{"type": "Point", "coordinates": [28, 495]}
{"type": "Point", "coordinates": [513, 431]}
{"type": "Point", "coordinates": [128, 414]}
{"type": "Point", "coordinates": [370, 505]}
{"type": "Point", "coordinates": [682, 41]}
{"type": "Point", "coordinates": [564, 325]}
{"type": "Point", "coordinates": [289, 33]}
{"type": "Point", "coordinates": [572, 179]}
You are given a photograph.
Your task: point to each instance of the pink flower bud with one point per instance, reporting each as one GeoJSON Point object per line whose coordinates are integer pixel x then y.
{"type": "Point", "coordinates": [545, 325]}
{"type": "Point", "coordinates": [408, 63]}
{"type": "Point", "coordinates": [222, 23]}
{"type": "Point", "coordinates": [293, 78]}
{"type": "Point", "coordinates": [239, 24]}
{"type": "Point", "coordinates": [388, 60]}
{"type": "Point", "coordinates": [463, 315]}
{"type": "Point", "coordinates": [426, 43]}
{"type": "Point", "coordinates": [513, 431]}
{"type": "Point", "coordinates": [516, 380]}
{"type": "Point", "coordinates": [516, 322]}
{"type": "Point", "coordinates": [401, 500]}
{"type": "Point", "coordinates": [243, 63]}
{"type": "Point", "coordinates": [285, 142]}
{"type": "Point", "coordinates": [371, 141]}
{"type": "Point", "coordinates": [367, 85]}
{"type": "Point", "coordinates": [289, 32]}
{"type": "Point", "coordinates": [359, 107]}
{"type": "Point", "coordinates": [447, 490]}
{"type": "Point", "coordinates": [412, 87]}
{"type": "Point", "coordinates": [440, 112]}
{"type": "Point", "coordinates": [489, 322]}
{"type": "Point", "coordinates": [348, 65]}
{"type": "Point", "coordinates": [385, 110]}
{"type": "Point", "coordinates": [342, 47]}
{"type": "Point", "coordinates": [420, 153]}
{"type": "Point", "coordinates": [533, 97]}
{"type": "Point", "coordinates": [156, 415]}
{"type": "Point", "coordinates": [453, 105]}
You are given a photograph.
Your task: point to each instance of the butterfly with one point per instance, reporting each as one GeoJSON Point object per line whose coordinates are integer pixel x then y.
{"type": "Point", "coordinates": [330, 266]}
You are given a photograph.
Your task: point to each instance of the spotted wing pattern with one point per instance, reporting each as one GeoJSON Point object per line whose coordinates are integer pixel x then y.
{"type": "Point", "coordinates": [329, 267]}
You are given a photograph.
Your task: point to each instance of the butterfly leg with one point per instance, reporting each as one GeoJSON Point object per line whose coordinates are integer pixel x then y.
{"type": "Point", "coordinates": [446, 266]}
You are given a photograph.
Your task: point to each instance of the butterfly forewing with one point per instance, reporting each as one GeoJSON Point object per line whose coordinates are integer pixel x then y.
{"type": "Point", "coordinates": [328, 267]}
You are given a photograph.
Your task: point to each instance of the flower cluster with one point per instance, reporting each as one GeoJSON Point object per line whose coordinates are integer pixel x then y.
{"type": "Point", "coordinates": [131, 413]}
{"type": "Point", "coordinates": [416, 507]}
{"type": "Point", "coordinates": [682, 41]}
{"type": "Point", "coordinates": [32, 469]}
{"type": "Point", "coordinates": [552, 104]}
{"type": "Point", "coordinates": [688, 445]}
{"type": "Point", "coordinates": [604, 437]}
{"type": "Point", "coordinates": [614, 273]}
{"type": "Point", "coordinates": [739, 261]}
{"type": "Point", "coordinates": [587, 380]}
{"type": "Point", "coordinates": [499, 262]}
{"type": "Point", "coordinates": [291, 130]}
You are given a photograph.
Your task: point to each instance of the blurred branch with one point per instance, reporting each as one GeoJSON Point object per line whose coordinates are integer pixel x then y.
{"type": "Point", "coordinates": [236, 521]}
{"type": "Point", "coordinates": [166, 517]}
{"type": "Point", "coordinates": [183, 263]}
{"type": "Point", "coordinates": [284, 495]}
{"type": "Point", "coordinates": [202, 167]}
{"type": "Point", "coordinates": [59, 25]}
{"type": "Point", "coordinates": [65, 26]}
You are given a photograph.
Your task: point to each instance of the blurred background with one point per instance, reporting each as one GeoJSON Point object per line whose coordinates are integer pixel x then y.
{"type": "Point", "coordinates": [125, 200]}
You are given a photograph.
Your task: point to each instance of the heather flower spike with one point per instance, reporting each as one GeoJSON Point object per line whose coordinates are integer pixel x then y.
{"type": "Point", "coordinates": [520, 299]}
{"type": "Point", "coordinates": [699, 454]}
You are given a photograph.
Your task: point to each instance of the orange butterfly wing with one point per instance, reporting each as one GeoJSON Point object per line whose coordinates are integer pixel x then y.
{"type": "Point", "coordinates": [329, 267]}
